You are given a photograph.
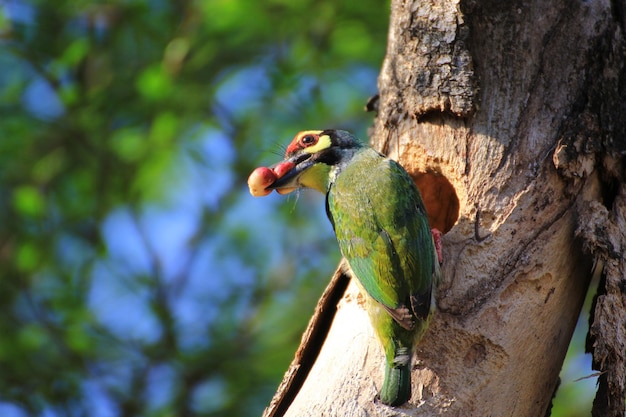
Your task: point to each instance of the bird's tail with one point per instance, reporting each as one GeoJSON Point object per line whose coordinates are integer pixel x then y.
{"type": "Point", "coordinates": [396, 388]}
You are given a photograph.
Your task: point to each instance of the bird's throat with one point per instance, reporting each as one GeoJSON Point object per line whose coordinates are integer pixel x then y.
{"type": "Point", "coordinates": [316, 177]}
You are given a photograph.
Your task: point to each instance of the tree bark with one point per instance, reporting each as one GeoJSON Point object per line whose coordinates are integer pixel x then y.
{"type": "Point", "coordinates": [511, 116]}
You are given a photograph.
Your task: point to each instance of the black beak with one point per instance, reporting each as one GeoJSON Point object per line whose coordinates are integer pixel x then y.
{"type": "Point", "coordinates": [290, 180]}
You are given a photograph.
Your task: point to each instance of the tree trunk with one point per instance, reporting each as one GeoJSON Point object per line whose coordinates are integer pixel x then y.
{"type": "Point", "coordinates": [511, 116]}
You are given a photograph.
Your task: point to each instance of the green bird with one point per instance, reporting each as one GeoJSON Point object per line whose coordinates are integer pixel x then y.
{"type": "Point", "coordinates": [382, 228]}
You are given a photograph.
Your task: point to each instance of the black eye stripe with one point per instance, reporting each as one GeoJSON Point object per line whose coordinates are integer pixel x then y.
{"type": "Point", "coordinates": [308, 140]}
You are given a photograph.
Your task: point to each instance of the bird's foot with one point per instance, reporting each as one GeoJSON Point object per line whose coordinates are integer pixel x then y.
{"type": "Point", "coordinates": [438, 244]}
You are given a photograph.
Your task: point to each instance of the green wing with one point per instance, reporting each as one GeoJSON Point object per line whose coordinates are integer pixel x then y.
{"type": "Point", "coordinates": [383, 232]}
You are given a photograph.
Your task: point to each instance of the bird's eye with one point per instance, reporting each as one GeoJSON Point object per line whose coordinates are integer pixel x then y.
{"type": "Point", "coordinates": [308, 140]}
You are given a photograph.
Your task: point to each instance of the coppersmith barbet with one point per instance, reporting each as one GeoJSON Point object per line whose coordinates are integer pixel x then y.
{"type": "Point", "coordinates": [382, 229]}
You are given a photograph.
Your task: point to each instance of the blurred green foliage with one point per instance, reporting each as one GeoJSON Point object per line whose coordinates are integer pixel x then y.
{"type": "Point", "coordinates": [137, 276]}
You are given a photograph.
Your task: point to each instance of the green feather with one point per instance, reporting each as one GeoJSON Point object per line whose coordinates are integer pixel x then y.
{"type": "Point", "coordinates": [382, 228]}
{"type": "Point", "coordinates": [383, 232]}
{"type": "Point", "coordinates": [396, 389]}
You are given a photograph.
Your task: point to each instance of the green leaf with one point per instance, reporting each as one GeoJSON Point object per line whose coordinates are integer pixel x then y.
{"type": "Point", "coordinates": [164, 129]}
{"type": "Point", "coordinates": [130, 144]}
{"type": "Point", "coordinates": [154, 83]}
{"type": "Point", "coordinates": [75, 52]}
{"type": "Point", "coordinates": [29, 201]}
{"type": "Point", "coordinates": [28, 257]}
{"type": "Point", "coordinates": [49, 166]}
{"type": "Point", "coordinates": [32, 337]}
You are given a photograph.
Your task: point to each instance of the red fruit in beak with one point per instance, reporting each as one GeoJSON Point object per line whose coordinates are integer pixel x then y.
{"type": "Point", "coordinates": [259, 180]}
{"type": "Point", "coordinates": [282, 168]}
{"type": "Point", "coordinates": [263, 177]}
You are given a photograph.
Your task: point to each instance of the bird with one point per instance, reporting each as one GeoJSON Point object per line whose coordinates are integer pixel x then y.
{"type": "Point", "coordinates": [382, 229]}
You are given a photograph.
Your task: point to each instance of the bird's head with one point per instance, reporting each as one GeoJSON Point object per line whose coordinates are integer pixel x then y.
{"type": "Point", "coordinates": [314, 153]}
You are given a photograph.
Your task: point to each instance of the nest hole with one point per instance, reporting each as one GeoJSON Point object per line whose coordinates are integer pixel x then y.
{"type": "Point", "coordinates": [440, 199]}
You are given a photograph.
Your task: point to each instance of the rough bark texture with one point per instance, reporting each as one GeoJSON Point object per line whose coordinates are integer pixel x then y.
{"type": "Point", "coordinates": [512, 118]}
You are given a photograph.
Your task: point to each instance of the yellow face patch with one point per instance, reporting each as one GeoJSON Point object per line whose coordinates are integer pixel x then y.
{"type": "Point", "coordinates": [310, 141]}
{"type": "Point", "coordinates": [322, 143]}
